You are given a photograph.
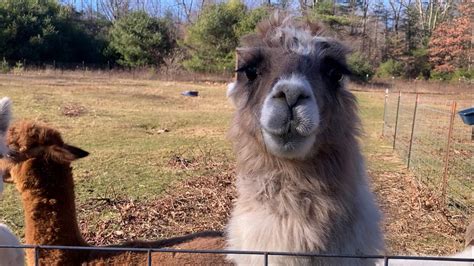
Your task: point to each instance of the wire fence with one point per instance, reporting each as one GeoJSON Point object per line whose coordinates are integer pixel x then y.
{"type": "Point", "coordinates": [266, 255]}
{"type": "Point", "coordinates": [434, 142]}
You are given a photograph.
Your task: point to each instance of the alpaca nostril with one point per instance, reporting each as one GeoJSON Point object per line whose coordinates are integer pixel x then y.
{"type": "Point", "coordinates": [298, 101]}
{"type": "Point", "coordinates": [301, 98]}
{"type": "Point", "coordinates": [280, 95]}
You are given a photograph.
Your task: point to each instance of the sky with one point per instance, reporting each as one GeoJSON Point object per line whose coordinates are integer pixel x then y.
{"type": "Point", "coordinates": [159, 7]}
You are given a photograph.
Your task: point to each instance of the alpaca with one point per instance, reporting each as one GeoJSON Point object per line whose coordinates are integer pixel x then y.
{"type": "Point", "coordinates": [38, 162]}
{"type": "Point", "coordinates": [7, 256]}
{"type": "Point", "coordinates": [5, 116]}
{"type": "Point", "coordinates": [301, 178]}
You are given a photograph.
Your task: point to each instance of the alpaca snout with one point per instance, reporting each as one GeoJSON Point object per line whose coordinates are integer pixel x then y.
{"type": "Point", "coordinates": [291, 94]}
{"type": "Point", "coordinates": [290, 108]}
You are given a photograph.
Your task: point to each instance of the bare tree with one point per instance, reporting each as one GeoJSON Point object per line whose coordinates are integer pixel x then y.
{"type": "Point", "coordinates": [365, 10]}
{"type": "Point", "coordinates": [396, 8]}
{"type": "Point", "coordinates": [432, 12]}
{"type": "Point", "coordinates": [115, 9]}
{"type": "Point", "coordinates": [186, 6]}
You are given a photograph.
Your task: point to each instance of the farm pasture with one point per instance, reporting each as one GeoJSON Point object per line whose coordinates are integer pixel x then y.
{"type": "Point", "coordinates": [161, 165]}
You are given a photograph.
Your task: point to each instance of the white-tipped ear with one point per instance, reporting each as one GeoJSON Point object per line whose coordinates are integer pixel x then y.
{"type": "Point", "coordinates": [5, 114]}
{"type": "Point", "coordinates": [230, 92]}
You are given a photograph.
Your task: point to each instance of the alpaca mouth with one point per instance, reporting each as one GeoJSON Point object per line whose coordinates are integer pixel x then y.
{"type": "Point", "coordinates": [290, 128]}
{"type": "Point", "coordinates": [290, 144]}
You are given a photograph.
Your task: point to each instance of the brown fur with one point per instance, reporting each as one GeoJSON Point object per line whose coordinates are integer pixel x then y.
{"type": "Point", "coordinates": [39, 164]}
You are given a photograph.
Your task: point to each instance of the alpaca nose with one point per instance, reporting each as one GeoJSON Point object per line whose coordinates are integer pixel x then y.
{"type": "Point", "coordinates": [293, 95]}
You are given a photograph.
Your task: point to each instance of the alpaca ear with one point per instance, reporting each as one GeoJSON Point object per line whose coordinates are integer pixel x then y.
{"type": "Point", "coordinates": [78, 152]}
{"type": "Point", "coordinates": [247, 55]}
{"type": "Point", "coordinates": [7, 178]}
{"type": "Point", "coordinates": [66, 153]}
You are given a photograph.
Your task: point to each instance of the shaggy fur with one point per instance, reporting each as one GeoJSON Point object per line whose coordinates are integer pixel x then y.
{"type": "Point", "coordinates": [7, 256]}
{"type": "Point", "coordinates": [5, 116]}
{"type": "Point", "coordinates": [39, 164]}
{"type": "Point", "coordinates": [319, 199]}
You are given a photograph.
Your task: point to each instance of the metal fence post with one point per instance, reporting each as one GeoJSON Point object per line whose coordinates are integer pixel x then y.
{"type": "Point", "coordinates": [412, 131]}
{"type": "Point", "coordinates": [384, 112]}
{"type": "Point", "coordinates": [446, 158]}
{"type": "Point", "coordinates": [36, 256]}
{"type": "Point", "coordinates": [149, 257]}
{"type": "Point", "coordinates": [265, 259]}
{"type": "Point", "coordinates": [396, 120]}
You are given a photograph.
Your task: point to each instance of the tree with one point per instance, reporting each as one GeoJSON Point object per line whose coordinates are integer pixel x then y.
{"type": "Point", "coordinates": [450, 46]}
{"type": "Point", "coordinates": [114, 9]}
{"type": "Point", "coordinates": [360, 67]}
{"type": "Point", "coordinates": [325, 11]}
{"type": "Point", "coordinates": [215, 35]}
{"type": "Point", "coordinates": [43, 30]}
{"type": "Point", "coordinates": [141, 40]}
{"type": "Point", "coordinates": [432, 12]}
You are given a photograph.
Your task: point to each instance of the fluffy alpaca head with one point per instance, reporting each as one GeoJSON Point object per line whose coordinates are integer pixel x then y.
{"type": "Point", "coordinates": [29, 142]}
{"type": "Point", "coordinates": [5, 116]}
{"type": "Point", "coordinates": [290, 86]}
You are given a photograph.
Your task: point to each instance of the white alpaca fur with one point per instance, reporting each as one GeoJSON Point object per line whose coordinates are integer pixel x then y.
{"type": "Point", "coordinates": [5, 116]}
{"type": "Point", "coordinates": [10, 256]}
{"type": "Point", "coordinates": [255, 227]}
{"type": "Point", "coordinates": [7, 256]}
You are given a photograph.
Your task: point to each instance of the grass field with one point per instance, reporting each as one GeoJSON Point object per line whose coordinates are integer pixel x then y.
{"type": "Point", "coordinates": [146, 141]}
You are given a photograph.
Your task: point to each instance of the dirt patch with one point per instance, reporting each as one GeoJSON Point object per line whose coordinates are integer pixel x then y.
{"type": "Point", "coordinates": [73, 110]}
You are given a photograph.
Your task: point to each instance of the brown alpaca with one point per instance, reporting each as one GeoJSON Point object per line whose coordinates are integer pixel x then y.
{"type": "Point", "coordinates": [38, 163]}
{"type": "Point", "coordinates": [301, 179]}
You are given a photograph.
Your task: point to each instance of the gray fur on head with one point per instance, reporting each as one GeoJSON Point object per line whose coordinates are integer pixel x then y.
{"type": "Point", "coordinates": [301, 178]}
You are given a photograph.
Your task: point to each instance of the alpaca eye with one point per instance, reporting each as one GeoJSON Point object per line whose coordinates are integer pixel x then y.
{"type": "Point", "coordinates": [251, 73]}
{"type": "Point", "coordinates": [335, 75]}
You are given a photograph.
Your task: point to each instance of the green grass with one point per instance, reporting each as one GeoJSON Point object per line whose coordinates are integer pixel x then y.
{"type": "Point", "coordinates": [129, 156]}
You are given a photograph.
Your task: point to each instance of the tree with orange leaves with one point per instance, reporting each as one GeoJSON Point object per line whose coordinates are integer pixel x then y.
{"type": "Point", "coordinates": [450, 46]}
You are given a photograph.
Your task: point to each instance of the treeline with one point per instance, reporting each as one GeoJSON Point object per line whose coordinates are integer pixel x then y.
{"type": "Point", "coordinates": [393, 38]}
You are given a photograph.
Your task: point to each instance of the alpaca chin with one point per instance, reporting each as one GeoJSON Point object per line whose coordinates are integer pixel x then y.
{"type": "Point", "coordinates": [296, 147]}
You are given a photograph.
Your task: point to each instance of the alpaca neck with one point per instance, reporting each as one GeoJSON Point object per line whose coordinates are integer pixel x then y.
{"type": "Point", "coordinates": [324, 183]}
{"type": "Point", "coordinates": [50, 211]}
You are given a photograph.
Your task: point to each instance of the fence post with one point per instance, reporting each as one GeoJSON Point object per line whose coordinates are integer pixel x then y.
{"type": "Point", "coordinates": [236, 65]}
{"type": "Point", "coordinates": [384, 112]}
{"type": "Point", "coordinates": [149, 258]}
{"type": "Point", "coordinates": [265, 259]}
{"type": "Point", "coordinates": [446, 157]}
{"type": "Point", "coordinates": [36, 256]}
{"type": "Point", "coordinates": [396, 120]}
{"type": "Point", "coordinates": [412, 131]}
